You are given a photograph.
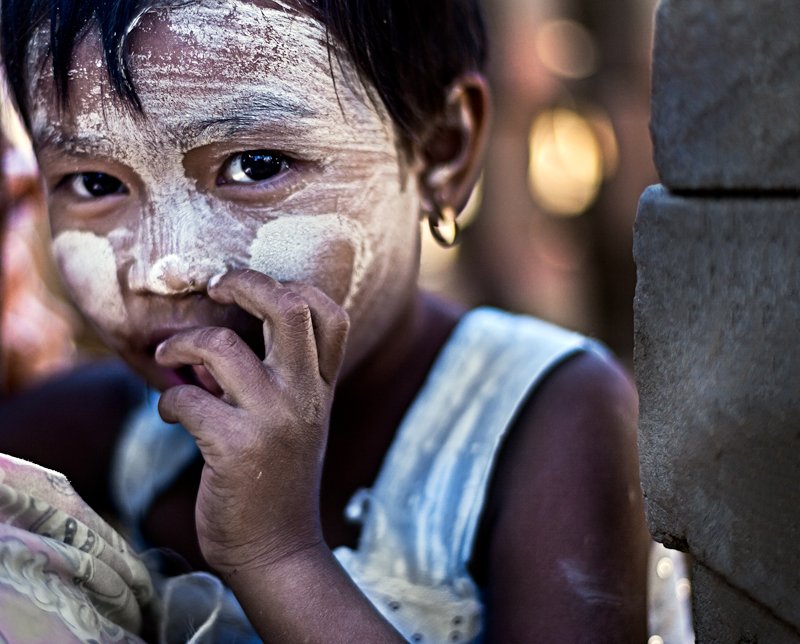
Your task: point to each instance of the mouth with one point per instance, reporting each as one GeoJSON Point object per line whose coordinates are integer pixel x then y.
{"type": "Point", "coordinates": [199, 376]}
{"type": "Point", "coordinates": [248, 328]}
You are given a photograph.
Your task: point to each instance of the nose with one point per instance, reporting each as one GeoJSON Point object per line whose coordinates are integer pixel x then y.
{"type": "Point", "coordinates": [173, 274]}
{"type": "Point", "coordinates": [176, 250]}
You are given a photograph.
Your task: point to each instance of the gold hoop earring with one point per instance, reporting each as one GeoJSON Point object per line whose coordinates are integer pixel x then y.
{"type": "Point", "coordinates": [444, 226]}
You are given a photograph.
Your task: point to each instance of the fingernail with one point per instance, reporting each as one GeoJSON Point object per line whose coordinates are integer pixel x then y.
{"type": "Point", "coordinates": [212, 283]}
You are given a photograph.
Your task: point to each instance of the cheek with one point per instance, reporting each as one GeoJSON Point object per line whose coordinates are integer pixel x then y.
{"type": "Point", "coordinates": [327, 251]}
{"type": "Point", "coordinates": [89, 270]}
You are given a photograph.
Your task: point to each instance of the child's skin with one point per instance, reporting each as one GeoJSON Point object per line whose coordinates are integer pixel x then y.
{"type": "Point", "coordinates": [315, 295]}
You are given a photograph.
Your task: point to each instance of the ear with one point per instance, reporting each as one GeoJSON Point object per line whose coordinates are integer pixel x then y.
{"type": "Point", "coordinates": [452, 151]}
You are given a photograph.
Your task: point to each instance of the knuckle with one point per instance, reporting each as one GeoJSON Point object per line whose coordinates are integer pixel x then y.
{"type": "Point", "coordinates": [184, 397]}
{"type": "Point", "coordinates": [177, 399]}
{"type": "Point", "coordinates": [252, 279]}
{"type": "Point", "coordinates": [332, 316]}
{"type": "Point", "coordinates": [291, 300]}
{"type": "Point", "coordinates": [295, 310]}
{"type": "Point", "coordinates": [246, 278]}
{"type": "Point", "coordinates": [314, 410]}
{"type": "Point", "coordinates": [220, 339]}
{"type": "Point", "coordinates": [308, 410]}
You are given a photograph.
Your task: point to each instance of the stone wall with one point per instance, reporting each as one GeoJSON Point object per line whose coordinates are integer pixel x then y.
{"type": "Point", "coordinates": [717, 311]}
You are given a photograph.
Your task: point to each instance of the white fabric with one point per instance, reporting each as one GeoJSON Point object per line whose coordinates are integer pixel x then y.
{"type": "Point", "coordinates": [421, 516]}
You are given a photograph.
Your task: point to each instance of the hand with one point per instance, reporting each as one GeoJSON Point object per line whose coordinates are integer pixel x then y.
{"type": "Point", "coordinates": [264, 439]}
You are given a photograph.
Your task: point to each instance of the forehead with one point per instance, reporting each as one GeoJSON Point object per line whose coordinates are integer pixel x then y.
{"type": "Point", "coordinates": [213, 42]}
{"type": "Point", "coordinates": [219, 59]}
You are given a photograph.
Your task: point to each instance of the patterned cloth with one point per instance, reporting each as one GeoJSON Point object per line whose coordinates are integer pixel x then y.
{"type": "Point", "coordinates": [65, 574]}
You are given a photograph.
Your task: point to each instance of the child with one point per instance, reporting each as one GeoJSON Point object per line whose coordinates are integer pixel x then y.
{"type": "Point", "coordinates": [235, 189]}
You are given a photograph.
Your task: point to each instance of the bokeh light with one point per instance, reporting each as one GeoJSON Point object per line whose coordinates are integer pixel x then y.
{"type": "Point", "coordinates": [567, 49]}
{"type": "Point", "coordinates": [565, 169]}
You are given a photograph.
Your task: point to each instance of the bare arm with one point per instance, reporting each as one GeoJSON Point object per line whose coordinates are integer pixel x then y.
{"type": "Point", "coordinates": [308, 597]}
{"type": "Point", "coordinates": [564, 538]}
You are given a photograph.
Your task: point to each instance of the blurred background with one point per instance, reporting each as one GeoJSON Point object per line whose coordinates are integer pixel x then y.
{"type": "Point", "coordinates": [569, 156]}
{"type": "Point", "coordinates": [547, 232]}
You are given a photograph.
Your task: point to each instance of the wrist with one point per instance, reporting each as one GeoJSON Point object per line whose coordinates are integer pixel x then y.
{"type": "Point", "coordinates": [305, 590]}
{"type": "Point", "coordinates": [272, 561]}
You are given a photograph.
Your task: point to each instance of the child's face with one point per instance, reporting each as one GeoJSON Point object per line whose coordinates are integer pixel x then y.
{"type": "Point", "coordinates": [248, 156]}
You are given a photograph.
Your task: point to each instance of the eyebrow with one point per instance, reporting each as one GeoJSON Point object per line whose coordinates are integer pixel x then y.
{"type": "Point", "coordinates": [259, 109]}
{"type": "Point", "coordinates": [74, 144]}
{"type": "Point", "coordinates": [250, 111]}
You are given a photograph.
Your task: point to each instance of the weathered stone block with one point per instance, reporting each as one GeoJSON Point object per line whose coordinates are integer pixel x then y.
{"type": "Point", "coordinates": [724, 615]}
{"type": "Point", "coordinates": [726, 91]}
{"type": "Point", "coordinates": [718, 369]}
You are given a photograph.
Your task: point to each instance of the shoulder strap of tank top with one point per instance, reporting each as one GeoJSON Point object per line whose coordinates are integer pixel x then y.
{"type": "Point", "coordinates": [426, 503]}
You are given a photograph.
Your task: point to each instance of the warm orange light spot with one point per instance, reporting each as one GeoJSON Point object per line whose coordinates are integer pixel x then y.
{"type": "Point", "coordinates": [566, 162]}
{"type": "Point", "coordinates": [567, 49]}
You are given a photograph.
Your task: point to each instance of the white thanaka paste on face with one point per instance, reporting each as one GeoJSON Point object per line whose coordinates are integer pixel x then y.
{"type": "Point", "coordinates": [286, 247]}
{"type": "Point", "coordinates": [195, 95]}
{"type": "Point", "coordinates": [89, 261]}
{"type": "Point", "coordinates": [172, 275]}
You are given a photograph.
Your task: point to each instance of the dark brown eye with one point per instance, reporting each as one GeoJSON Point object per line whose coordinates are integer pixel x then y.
{"type": "Point", "coordinates": [93, 185]}
{"type": "Point", "coordinates": [253, 166]}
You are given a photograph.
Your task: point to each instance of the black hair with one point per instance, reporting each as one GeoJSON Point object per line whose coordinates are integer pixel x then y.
{"type": "Point", "coordinates": [408, 51]}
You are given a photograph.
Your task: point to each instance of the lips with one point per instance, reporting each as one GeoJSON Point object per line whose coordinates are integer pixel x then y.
{"type": "Point", "coordinates": [247, 327]}
{"type": "Point", "coordinates": [205, 380]}
{"type": "Point", "coordinates": [197, 375]}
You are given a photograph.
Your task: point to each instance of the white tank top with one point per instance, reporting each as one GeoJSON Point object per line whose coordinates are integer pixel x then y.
{"type": "Point", "coordinates": [421, 516]}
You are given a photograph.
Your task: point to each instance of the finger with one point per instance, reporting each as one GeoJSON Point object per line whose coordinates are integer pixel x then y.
{"type": "Point", "coordinates": [331, 326]}
{"type": "Point", "coordinates": [232, 363]}
{"type": "Point", "coordinates": [289, 330]}
{"type": "Point", "coordinates": [202, 414]}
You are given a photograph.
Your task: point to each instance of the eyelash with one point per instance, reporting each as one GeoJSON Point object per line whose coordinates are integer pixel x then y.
{"type": "Point", "coordinates": [77, 184]}
{"type": "Point", "coordinates": [234, 171]}
{"type": "Point", "coordinates": [239, 168]}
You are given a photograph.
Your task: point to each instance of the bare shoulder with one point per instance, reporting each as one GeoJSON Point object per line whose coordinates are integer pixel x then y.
{"type": "Point", "coordinates": [576, 435]}
{"type": "Point", "coordinates": [563, 540]}
{"type": "Point", "coordinates": [586, 407]}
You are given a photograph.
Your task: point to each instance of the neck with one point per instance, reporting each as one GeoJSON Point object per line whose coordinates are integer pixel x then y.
{"type": "Point", "coordinates": [372, 401]}
{"type": "Point", "coordinates": [404, 356]}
